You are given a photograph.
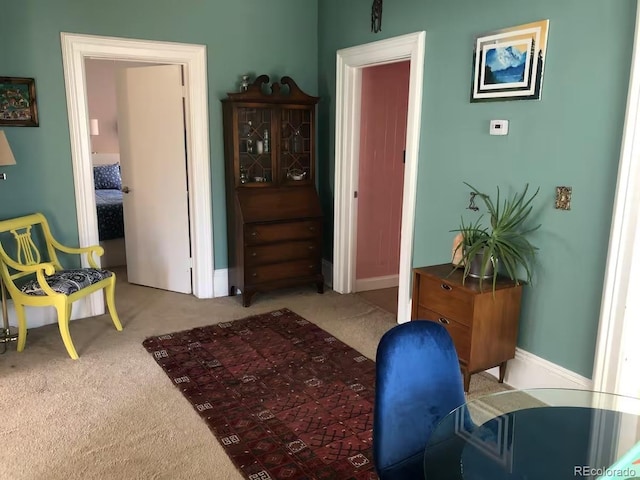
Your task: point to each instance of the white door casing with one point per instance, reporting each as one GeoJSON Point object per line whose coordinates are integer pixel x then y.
{"type": "Point", "coordinates": [350, 62]}
{"type": "Point", "coordinates": [154, 176]}
{"type": "Point", "coordinates": [617, 360]}
{"type": "Point", "coordinates": [75, 49]}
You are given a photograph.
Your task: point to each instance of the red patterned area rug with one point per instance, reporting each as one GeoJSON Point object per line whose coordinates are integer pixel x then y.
{"type": "Point", "coordinates": [286, 399]}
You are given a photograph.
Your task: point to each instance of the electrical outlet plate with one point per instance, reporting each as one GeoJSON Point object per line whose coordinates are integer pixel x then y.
{"type": "Point", "coordinates": [563, 198]}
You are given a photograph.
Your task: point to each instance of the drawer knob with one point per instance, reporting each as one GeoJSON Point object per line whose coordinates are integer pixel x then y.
{"type": "Point", "coordinates": [311, 247]}
{"type": "Point", "coordinates": [311, 266]}
{"type": "Point", "coordinates": [254, 254]}
{"type": "Point", "coordinates": [312, 228]}
{"type": "Point", "coordinates": [446, 287]}
{"type": "Point", "coordinates": [254, 234]}
{"type": "Point", "coordinates": [443, 321]}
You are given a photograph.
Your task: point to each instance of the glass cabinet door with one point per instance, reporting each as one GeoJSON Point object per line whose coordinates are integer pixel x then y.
{"type": "Point", "coordinates": [255, 147]}
{"type": "Point", "coordinates": [296, 147]}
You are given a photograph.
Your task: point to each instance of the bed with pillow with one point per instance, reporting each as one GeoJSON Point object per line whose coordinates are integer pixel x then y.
{"type": "Point", "coordinates": [108, 188]}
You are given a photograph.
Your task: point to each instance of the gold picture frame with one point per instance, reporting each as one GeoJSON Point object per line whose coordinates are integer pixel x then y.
{"type": "Point", "coordinates": [18, 107]}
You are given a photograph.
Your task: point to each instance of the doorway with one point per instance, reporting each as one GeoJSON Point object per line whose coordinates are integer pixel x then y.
{"type": "Point", "coordinates": [383, 132]}
{"type": "Point", "coordinates": [100, 78]}
{"type": "Point", "coordinates": [75, 50]}
{"type": "Point", "coordinates": [151, 112]}
{"type": "Point", "coordinates": [351, 62]}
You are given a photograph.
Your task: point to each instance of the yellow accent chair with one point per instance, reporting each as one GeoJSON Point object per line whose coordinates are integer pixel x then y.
{"type": "Point", "coordinates": [31, 281]}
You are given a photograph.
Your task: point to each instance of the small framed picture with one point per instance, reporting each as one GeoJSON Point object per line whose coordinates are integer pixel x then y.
{"type": "Point", "coordinates": [509, 64]}
{"type": "Point", "coordinates": [18, 106]}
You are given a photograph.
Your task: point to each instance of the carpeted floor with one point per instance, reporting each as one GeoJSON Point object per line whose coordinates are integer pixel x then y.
{"type": "Point", "coordinates": [112, 414]}
{"type": "Point", "coordinates": [385, 298]}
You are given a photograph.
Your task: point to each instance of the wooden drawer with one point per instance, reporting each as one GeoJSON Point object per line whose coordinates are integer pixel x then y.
{"type": "Point", "coordinates": [461, 334]}
{"type": "Point", "coordinates": [279, 252]}
{"type": "Point", "coordinates": [280, 271]}
{"type": "Point", "coordinates": [448, 300]}
{"type": "Point", "coordinates": [276, 232]}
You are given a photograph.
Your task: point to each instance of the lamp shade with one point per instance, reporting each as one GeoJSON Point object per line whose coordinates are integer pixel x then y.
{"type": "Point", "coordinates": [6, 155]}
{"type": "Point", "coordinates": [94, 126]}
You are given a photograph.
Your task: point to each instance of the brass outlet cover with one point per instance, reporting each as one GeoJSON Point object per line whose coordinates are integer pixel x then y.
{"type": "Point", "coordinates": [563, 198]}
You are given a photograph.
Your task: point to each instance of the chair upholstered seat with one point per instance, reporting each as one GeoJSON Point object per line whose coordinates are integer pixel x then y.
{"type": "Point", "coordinates": [67, 282]}
{"type": "Point", "coordinates": [418, 382]}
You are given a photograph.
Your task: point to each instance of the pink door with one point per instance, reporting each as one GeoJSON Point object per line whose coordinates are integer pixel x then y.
{"type": "Point", "coordinates": [383, 128]}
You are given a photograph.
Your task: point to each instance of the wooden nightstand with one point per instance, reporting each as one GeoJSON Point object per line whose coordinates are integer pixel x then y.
{"type": "Point", "coordinates": [484, 326]}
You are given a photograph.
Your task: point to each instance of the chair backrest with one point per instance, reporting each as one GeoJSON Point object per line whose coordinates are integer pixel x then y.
{"type": "Point", "coordinates": [23, 249]}
{"type": "Point", "coordinates": [418, 382]}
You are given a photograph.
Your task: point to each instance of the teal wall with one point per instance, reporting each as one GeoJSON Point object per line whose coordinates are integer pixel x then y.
{"type": "Point", "coordinates": [277, 38]}
{"type": "Point", "coordinates": [571, 137]}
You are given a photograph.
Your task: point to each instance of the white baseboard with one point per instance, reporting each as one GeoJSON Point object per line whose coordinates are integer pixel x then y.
{"type": "Point", "coordinates": [530, 371]}
{"type": "Point", "coordinates": [327, 272]}
{"type": "Point", "coordinates": [221, 282]}
{"type": "Point", "coordinates": [41, 316]}
{"type": "Point", "coordinates": [376, 283]}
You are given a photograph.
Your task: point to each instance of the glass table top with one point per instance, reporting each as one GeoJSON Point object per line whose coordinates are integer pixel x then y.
{"type": "Point", "coordinates": [536, 434]}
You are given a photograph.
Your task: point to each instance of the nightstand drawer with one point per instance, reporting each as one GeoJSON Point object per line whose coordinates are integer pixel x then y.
{"type": "Point", "coordinates": [446, 299]}
{"type": "Point", "coordinates": [278, 232]}
{"type": "Point", "coordinates": [279, 252]}
{"type": "Point", "coordinates": [461, 334]}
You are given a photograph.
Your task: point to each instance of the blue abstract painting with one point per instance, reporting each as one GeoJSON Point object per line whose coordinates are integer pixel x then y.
{"type": "Point", "coordinates": [508, 64]}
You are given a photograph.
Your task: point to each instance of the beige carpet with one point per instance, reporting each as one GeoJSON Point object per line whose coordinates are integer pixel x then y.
{"type": "Point", "coordinates": [113, 414]}
{"type": "Point", "coordinates": [385, 298]}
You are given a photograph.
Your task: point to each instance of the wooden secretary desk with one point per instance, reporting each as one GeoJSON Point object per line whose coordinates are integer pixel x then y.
{"type": "Point", "coordinates": [274, 219]}
{"type": "Point", "coordinates": [483, 325]}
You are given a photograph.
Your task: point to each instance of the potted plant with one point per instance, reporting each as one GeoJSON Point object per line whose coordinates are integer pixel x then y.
{"type": "Point", "coordinates": [503, 245]}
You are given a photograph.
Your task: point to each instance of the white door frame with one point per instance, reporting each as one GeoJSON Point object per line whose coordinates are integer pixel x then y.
{"type": "Point", "coordinates": [616, 361]}
{"type": "Point", "coordinates": [350, 62]}
{"type": "Point", "coordinates": [75, 49]}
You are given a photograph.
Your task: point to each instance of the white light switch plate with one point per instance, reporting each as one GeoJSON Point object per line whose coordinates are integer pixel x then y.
{"type": "Point", "coordinates": [499, 127]}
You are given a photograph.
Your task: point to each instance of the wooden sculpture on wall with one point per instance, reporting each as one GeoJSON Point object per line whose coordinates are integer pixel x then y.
{"type": "Point", "coordinates": [376, 16]}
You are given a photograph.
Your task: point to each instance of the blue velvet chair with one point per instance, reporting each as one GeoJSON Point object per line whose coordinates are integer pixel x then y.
{"type": "Point", "coordinates": [418, 382]}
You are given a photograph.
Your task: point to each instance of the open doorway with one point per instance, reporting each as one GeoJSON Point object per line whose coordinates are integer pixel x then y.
{"type": "Point", "coordinates": [105, 156]}
{"type": "Point", "coordinates": [141, 184]}
{"type": "Point", "coordinates": [383, 131]}
{"type": "Point", "coordinates": [76, 49]}
{"type": "Point", "coordinates": [351, 62]}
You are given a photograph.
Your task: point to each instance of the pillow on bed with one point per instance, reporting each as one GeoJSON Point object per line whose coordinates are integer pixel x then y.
{"type": "Point", "coordinates": [107, 177]}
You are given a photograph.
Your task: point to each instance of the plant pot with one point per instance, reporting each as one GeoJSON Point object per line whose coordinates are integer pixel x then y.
{"type": "Point", "coordinates": [475, 269]}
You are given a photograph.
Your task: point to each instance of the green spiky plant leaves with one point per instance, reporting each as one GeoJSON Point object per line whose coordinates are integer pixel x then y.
{"type": "Point", "coordinates": [504, 243]}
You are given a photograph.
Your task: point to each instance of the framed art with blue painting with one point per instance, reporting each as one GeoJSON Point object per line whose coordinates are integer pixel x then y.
{"type": "Point", "coordinates": [509, 64]}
